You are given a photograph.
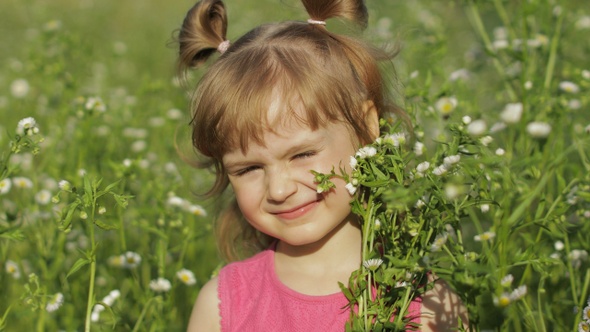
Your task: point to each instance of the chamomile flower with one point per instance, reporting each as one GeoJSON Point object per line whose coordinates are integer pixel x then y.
{"type": "Point", "coordinates": [22, 182]}
{"type": "Point", "coordinates": [131, 259]}
{"type": "Point", "coordinates": [395, 139]}
{"type": "Point", "coordinates": [174, 114]}
{"type": "Point", "coordinates": [422, 167]}
{"type": "Point", "coordinates": [43, 197]}
{"type": "Point", "coordinates": [518, 293]}
{"type": "Point", "coordinates": [12, 269]}
{"type": "Point", "coordinates": [439, 242]}
{"type": "Point", "coordinates": [569, 87]}
{"type": "Point", "coordinates": [187, 277]}
{"type": "Point", "coordinates": [351, 188]}
{"type": "Point", "coordinates": [466, 119]}
{"type": "Point", "coordinates": [440, 170]}
{"type": "Point", "coordinates": [477, 128]}
{"type": "Point", "coordinates": [485, 236]}
{"type": "Point", "coordinates": [558, 245]}
{"type": "Point", "coordinates": [419, 148]}
{"type": "Point", "coordinates": [197, 210]}
{"type": "Point", "coordinates": [586, 313]}
{"type": "Point", "coordinates": [64, 185]}
{"type": "Point", "coordinates": [366, 152]}
{"type": "Point", "coordinates": [95, 104]}
{"type": "Point", "coordinates": [512, 113]}
{"type": "Point", "coordinates": [446, 105]}
{"type": "Point", "coordinates": [20, 88]}
{"type": "Point", "coordinates": [584, 326]}
{"type": "Point", "coordinates": [160, 285]}
{"type": "Point", "coordinates": [452, 191]}
{"type": "Point", "coordinates": [503, 300]}
{"type": "Point", "coordinates": [484, 208]}
{"type": "Point", "coordinates": [353, 162]}
{"type": "Point", "coordinates": [500, 152]}
{"type": "Point", "coordinates": [373, 264]}
{"type": "Point", "coordinates": [5, 186]}
{"type": "Point", "coordinates": [538, 129]}
{"type": "Point", "coordinates": [451, 160]}
{"type": "Point", "coordinates": [55, 302]}
{"type": "Point", "coordinates": [586, 74]}
{"type": "Point", "coordinates": [27, 126]}
{"type": "Point", "coordinates": [507, 280]}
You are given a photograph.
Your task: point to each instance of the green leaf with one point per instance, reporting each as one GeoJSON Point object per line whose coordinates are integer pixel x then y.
{"type": "Point", "coordinates": [81, 262]}
{"type": "Point", "coordinates": [105, 226]}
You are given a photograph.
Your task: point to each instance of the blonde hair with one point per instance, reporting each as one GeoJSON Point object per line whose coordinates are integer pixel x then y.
{"type": "Point", "coordinates": [330, 75]}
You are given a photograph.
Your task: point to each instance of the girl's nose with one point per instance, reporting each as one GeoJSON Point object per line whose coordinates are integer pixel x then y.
{"type": "Point", "coordinates": [280, 185]}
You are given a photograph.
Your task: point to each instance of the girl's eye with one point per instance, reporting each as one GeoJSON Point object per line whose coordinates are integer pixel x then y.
{"type": "Point", "coordinates": [304, 155]}
{"type": "Point", "coordinates": [246, 170]}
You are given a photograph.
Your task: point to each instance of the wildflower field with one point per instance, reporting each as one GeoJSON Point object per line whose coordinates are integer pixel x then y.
{"type": "Point", "coordinates": [102, 221]}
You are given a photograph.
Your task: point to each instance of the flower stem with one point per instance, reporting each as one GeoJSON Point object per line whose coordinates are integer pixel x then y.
{"type": "Point", "coordinates": [92, 258]}
{"type": "Point", "coordinates": [553, 53]}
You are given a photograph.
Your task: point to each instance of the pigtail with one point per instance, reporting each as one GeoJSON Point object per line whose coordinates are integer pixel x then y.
{"type": "Point", "coordinates": [352, 10]}
{"type": "Point", "coordinates": [202, 33]}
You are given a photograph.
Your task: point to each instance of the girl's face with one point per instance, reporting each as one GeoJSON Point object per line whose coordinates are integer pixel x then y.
{"type": "Point", "coordinates": [275, 188]}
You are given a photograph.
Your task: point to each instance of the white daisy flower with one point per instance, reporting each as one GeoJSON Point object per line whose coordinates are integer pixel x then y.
{"type": "Point", "coordinates": [54, 302]}
{"type": "Point", "coordinates": [518, 293]}
{"type": "Point", "coordinates": [440, 170]}
{"type": "Point", "coordinates": [5, 186]}
{"type": "Point", "coordinates": [22, 182]}
{"type": "Point", "coordinates": [439, 242]}
{"type": "Point", "coordinates": [351, 188]}
{"type": "Point", "coordinates": [95, 104]}
{"type": "Point", "coordinates": [466, 119]}
{"type": "Point", "coordinates": [586, 74]}
{"type": "Point", "coordinates": [485, 236]}
{"type": "Point", "coordinates": [27, 126]}
{"type": "Point", "coordinates": [507, 280]}
{"type": "Point", "coordinates": [197, 210]}
{"type": "Point", "coordinates": [64, 185]}
{"type": "Point", "coordinates": [20, 88]}
{"type": "Point", "coordinates": [160, 285]}
{"type": "Point", "coordinates": [452, 191]}
{"type": "Point", "coordinates": [502, 301]}
{"type": "Point", "coordinates": [422, 167]}
{"type": "Point", "coordinates": [451, 160]}
{"type": "Point", "coordinates": [477, 128]}
{"type": "Point", "coordinates": [366, 152]}
{"type": "Point", "coordinates": [186, 276]}
{"type": "Point", "coordinates": [43, 197]}
{"type": "Point", "coordinates": [353, 162]}
{"type": "Point", "coordinates": [484, 208]}
{"type": "Point", "coordinates": [12, 269]}
{"type": "Point", "coordinates": [130, 259]}
{"type": "Point", "coordinates": [528, 85]}
{"type": "Point", "coordinates": [512, 113]}
{"type": "Point", "coordinates": [538, 129]}
{"type": "Point", "coordinates": [500, 152]}
{"type": "Point", "coordinates": [373, 264]}
{"type": "Point", "coordinates": [459, 74]}
{"type": "Point", "coordinates": [419, 148]}
{"type": "Point", "coordinates": [569, 87]}
{"type": "Point", "coordinates": [558, 245]}
{"type": "Point", "coordinates": [446, 105]}
{"type": "Point", "coordinates": [174, 114]}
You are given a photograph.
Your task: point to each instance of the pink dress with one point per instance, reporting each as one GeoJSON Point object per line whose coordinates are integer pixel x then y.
{"type": "Point", "coordinates": [252, 298]}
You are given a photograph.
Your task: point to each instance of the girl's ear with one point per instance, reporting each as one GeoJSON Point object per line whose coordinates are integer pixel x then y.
{"type": "Point", "coordinates": [371, 118]}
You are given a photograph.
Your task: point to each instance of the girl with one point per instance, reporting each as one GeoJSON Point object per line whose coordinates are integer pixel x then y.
{"type": "Point", "coordinates": [284, 99]}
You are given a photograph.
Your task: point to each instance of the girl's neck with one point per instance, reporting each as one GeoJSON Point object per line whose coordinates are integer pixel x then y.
{"type": "Point", "coordinates": [316, 268]}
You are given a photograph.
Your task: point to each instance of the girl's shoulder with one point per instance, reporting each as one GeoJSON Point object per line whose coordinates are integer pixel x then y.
{"type": "Point", "coordinates": [442, 308]}
{"type": "Point", "coordinates": [205, 315]}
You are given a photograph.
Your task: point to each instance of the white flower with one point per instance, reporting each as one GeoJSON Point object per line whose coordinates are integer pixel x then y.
{"type": "Point", "coordinates": [419, 203]}
{"type": "Point", "coordinates": [512, 113]}
{"type": "Point", "coordinates": [569, 87]}
{"type": "Point", "coordinates": [19, 88]}
{"type": "Point", "coordinates": [466, 119]}
{"type": "Point", "coordinates": [27, 126]}
{"type": "Point", "coordinates": [160, 285]}
{"type": "Point", "coordinates": [64, 185]}
{"type": "Point", "coordinates": [174, 114]}
{"type": "Point", "coordinates": [586, 74]}
{"type": "Point", "coordinates": [377, 224]}
{"type": "Point", "coordinates": [558, 245]}
{"type": "Point", "coordinates": [538, 129]}
{"type": "Point", "coordinates": [439, 241]}
{"type": "Point", "coordinates": [500, 152]}
{"type": "Point", "coordinates": [419, 148]}
{"type": "Point", "coordinates": [95, 104]}
{"type": "Point", "coordinates": [503, 300]}
{"type": "Point", "coordinates": [528, 85]}
{"type": "Point", "coordinates": [395, 139]}
{"type": "Point", "coordinates": [498, 126]}
{"type": "Point", "coordinates": [583, 23]}
{"type": "Point", "coordinates": [477, 128]}
{"type": "Point", "coordinates": [518, 293]}
{"type": "Point", "coordinates": [574, 104]}
{"type": "Point", "coordinates": [12, 269]}
{"type": "Point", "coordinates": [22, 182]}
{"type": "Point", "coordinates": [459, 74]}
{"type": "Point", "coordinates": [485, 236]}
{"type": "Point", "coordinates": [440, 170]}
{"type": "Point", "coordinates": [111, 297]}
{"type": "Point", "coordinates": [507, 280]}
{"type": "Point", "coordinates": [55, 302]}
{"type": "Point", "coordinates": [353, 162]}
{"type": "Point", "coordinates": [373, 264]}
{"type": "Point", "coordinates": [197, 210]}
{"type": "Point", "coordinates": [584, 326]}
{"type": "Point", "coordinates": [138, 146]}
{"type": "Point", "coordinates": [5, 186]}
{"type": "Point", "coordinates": [366, 152]}
{"type": "Point", "coordinates": [422, 167]}
{"type": "Point", "coordinates": [452, 191]}
{"type": "Point", "coordinates": [351, 188]}
{"type": "Point", "coordinates": [451, 160]}
{"type": "Point", "coordinates": [577, 256]}
{"type": "Point", "coordinates": [130, 259]}
{"type": "Point", "coordinates": [175, 201]}
{"type": "Point", "coordinates": [446, 105]}
{"type": "Point", "coordinates": [484, 208]}
{"type": "Point", "coordinates": [500, 33]}
{"type": "Point", "coordinates": [500, 44]}
{"type": "Point", "coordinates": [43, 197]}
{"type": "Point", "coordinates": [186, 276]}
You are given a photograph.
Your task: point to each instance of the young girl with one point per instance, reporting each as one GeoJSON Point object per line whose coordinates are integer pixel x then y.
{"type": "Point", "coordinates": [284, 99]}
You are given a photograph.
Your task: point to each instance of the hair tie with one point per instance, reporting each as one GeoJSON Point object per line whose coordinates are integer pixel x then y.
{"type": "Point", "coordinates": [223, 46]}
{"type": "Point", "coordinates": [316, 22]}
